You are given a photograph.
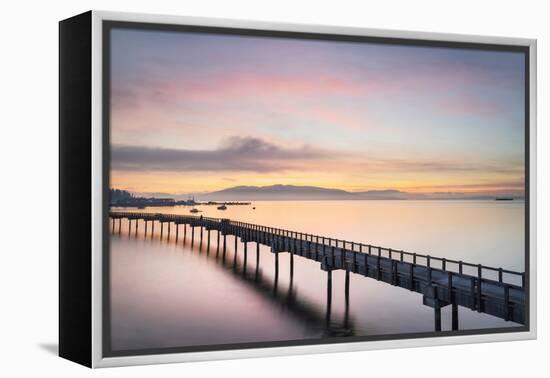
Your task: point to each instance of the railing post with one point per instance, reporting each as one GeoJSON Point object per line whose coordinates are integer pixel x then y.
{"type": "Point", "coordinates": [460, 267]}
{"type": "Point", "coordinates": [500, 275]}
{"type": "Point", "coordinates": [444, 264]}
{"type": "Point", "coordinates": [428, 261]}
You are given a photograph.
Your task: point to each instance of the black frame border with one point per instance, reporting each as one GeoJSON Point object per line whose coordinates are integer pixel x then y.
{"type": "Point", "coordinates": [109, 25]}
{"type": "Point", "coordinates": [75, 189]}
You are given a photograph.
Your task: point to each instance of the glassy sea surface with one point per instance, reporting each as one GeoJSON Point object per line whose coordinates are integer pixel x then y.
{"type": "Point", "coordinates": [167, 293]}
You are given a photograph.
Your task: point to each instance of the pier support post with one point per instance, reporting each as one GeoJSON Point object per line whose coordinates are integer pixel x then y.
{"type": "Point", "coordinates": [113, 225]}
{"type": "Point", "coordinates": [235, 255]}
{"type": "Point", "coordinates": [145, 232]}
{"type": "Point", "coordinates": [119, 225]}
{"type": "Point", "coordinates": [161, 229]}
{"type": "Point", "coordinates": [479, 287]}
{"type": "Point", "coordinates": [217, 243]}
{"type": "Point", "coordinates": [437, 318]}
{"type": "Point", "coordinates": [224, 244]}
{"type": "Point", "coordinates": [276, 281]}
{"type": "Point", "coordinates": [137, 222]}
{"type": "Point", "coordinates": [257, 274]}
{"type": "Point", "coordinates": [291, 263]}
{"type": "Point", "coordinates": [200, 243]}
{"type": "Point", "coordinates": [346, 296]}
{"type": "Point", "coordinates": [177, 231]}
{"type": "Point", "coordinates": [208, 241]}
{"type": "Point", "coordinates": [129, 227]}
{"type": "Point", "coordinates": [169, 227]}
{"type": "Point", "coordinates": [276, 263]}
{"type": "Point", "coordinates": [192, 235]}
{"type": "Point", "coordinates": [454, 316]}
{"type": "Point", "coordinates": [152, 228]}
{"type": "Point", "coordinates": [329, 297]}
{"type": "Point", "coordinates": [245, 254]}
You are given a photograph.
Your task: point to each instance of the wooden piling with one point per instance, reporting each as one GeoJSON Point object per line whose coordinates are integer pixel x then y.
{"type": "Point", "coordinates": [245, 252]}
{"type": "Point", "coordinates": [479, 287]}
{"type": "Point", "coordinates": [454, 316]}
{"type": "Point", "coordinates": [506, 302]}
{"type": "Point", "coordinates": [411, 277]}
{"type": "Point", "coordinates": [329, 296]}
{"type": "Point", "coordinates": [437, 318]}
{"type": "Point", "coordinates": [346, 298]}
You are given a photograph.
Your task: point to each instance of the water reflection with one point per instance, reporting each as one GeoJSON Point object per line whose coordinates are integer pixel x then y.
{"type": "Point", "coordinates": [311, 315]}
{"type": "Point", "coordinates": [163, 295]}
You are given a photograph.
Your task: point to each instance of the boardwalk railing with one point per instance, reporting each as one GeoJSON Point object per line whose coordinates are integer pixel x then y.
{"type": "Point", "coordinates": [497, 291]}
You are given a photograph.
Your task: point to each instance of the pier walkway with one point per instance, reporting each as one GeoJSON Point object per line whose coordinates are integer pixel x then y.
{"type": "Point", "coordinates": [442, 282]}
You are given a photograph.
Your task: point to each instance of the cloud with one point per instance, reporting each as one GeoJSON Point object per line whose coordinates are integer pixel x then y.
{"type": "Point", "coordinates": [233, 154]}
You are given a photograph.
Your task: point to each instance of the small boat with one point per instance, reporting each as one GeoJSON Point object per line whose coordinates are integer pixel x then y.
{"type": "Point", "coordinates": [193, 210]}
{"type": "Point", "coordinates": [504, 199]}
{"type": "Point", "coordinates": [222, 207]}
{"type": "Point", "coordinates": [254, 208]}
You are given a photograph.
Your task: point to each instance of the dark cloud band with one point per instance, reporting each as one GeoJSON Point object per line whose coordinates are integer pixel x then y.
{"type": "Point", "coordinates": [234, 154]}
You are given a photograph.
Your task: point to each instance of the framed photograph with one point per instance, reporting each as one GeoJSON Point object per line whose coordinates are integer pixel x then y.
{"type": "Point", "coordinates": [232, 189]}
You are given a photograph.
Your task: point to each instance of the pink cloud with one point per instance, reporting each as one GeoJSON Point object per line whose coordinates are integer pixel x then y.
{"type": "Point", "coordinates": [463, 105]}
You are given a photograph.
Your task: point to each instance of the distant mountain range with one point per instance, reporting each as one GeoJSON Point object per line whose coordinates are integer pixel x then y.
{"type": "Point", "coordinates": [293, 192]}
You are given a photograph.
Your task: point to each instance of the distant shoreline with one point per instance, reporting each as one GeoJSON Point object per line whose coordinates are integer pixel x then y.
{"type": "Point", "coordinates": [250, 203]}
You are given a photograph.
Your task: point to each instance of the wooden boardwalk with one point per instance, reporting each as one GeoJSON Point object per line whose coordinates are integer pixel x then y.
{"type": "Point", "coordinates": [441, 281]}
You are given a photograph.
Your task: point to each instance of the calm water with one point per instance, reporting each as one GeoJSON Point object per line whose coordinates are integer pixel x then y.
{"type": "Point", "coordinates": [168, 294]}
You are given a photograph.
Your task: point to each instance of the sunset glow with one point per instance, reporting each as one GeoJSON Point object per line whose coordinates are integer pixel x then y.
{"type": "Point", "coordinates": [194, 113]}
